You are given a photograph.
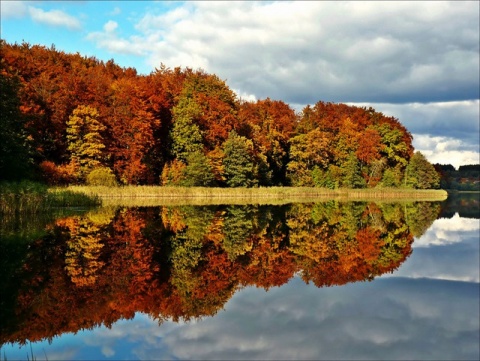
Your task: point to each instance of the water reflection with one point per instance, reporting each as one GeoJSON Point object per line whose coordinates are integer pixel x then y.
{"type": "Point", "coordinates": [174, 265]}
{"type": "Point", "coordinates": [186, 262]}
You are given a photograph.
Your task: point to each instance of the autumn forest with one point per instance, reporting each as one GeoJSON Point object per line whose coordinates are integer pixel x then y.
{"type": "Point", "coordinates": [70, 119]}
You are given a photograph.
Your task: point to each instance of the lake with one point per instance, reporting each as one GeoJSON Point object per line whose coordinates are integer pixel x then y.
{"type": "Point", "coordinates": [304, 281]}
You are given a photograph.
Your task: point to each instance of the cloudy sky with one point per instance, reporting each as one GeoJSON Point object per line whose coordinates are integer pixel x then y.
{"type": "Point", "coordinates": [417, 61]}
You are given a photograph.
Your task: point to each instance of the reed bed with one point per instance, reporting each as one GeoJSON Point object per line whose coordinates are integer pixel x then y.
{"type": "Point", "coordinates": [157, 195]}
{"type": "Point", "coordinates": [67, 198]}
{"type": "Point", "coordinates": [30, 198]}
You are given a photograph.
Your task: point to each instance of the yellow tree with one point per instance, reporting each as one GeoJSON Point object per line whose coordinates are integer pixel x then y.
{"type": "Point", "coordinates": [85, 141]}
{"type": "Point", "coordinates": [308, 151]}
{"type": "Point", "coordinates": [82, 258]}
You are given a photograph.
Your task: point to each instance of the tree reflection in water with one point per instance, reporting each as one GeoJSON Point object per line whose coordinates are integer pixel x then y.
{"type": "Point", "coordinates": [182, 263]}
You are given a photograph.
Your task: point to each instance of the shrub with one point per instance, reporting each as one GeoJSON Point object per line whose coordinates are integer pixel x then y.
{"type": "Point", "coordinates": [101, 177]}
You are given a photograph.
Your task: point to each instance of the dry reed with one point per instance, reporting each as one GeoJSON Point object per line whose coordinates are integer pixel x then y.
{"type": "Point", "coordinates": [156, 195]}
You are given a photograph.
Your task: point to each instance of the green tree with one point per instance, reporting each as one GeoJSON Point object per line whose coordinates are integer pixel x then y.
{"type": "Point", "coordinates": [420, 173]}
{"type": "Point", "coordinates": [351, 173]}
{"type": "Point", "coordinates": [238, 227]}
{"type": "Point", "coordinates": [85, 141]}
{"type": "Point", "coordinates": [185, 133]}
{"type": "Point", "coordinates": [395, 148]}
{"type": "Point", "coordinates": [389, 179]}
{"type": "Point", "coordinates": [15, 158]}
{"type": "Point", "coordinates": [238, 163]}
{"type": "Point", "coordinates": [324, 178]}
{"type": "Point", "coordinates": [198, 172]}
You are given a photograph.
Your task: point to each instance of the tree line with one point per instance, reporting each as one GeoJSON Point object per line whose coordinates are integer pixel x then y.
{"type": "Point", "coordinates": [466, 178]}
{"type": "Point", "coordinates": [71, 119]}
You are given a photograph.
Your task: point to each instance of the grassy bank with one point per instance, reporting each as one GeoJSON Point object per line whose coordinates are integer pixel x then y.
{"type": "Point", "coordinates": [30, 198]}
{"type": "Point", "coordinates": [156, 195]}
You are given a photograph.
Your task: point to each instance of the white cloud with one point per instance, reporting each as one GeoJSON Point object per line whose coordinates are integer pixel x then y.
{"type": "Point", "coordinates": [449, 250]}
{"type": "Point", "coordinates": [455, 158]}
{"type": "Point", "coordinates": [446, 150]}
{"type": "Point", "coordinates": [108, 351]}
{"type": "Point", "coordinates": [245, 96]}
{"type": "Point", "coordinates": [446, 231]}
{"type": "Point", "coordinates": [110, 26]}
{"type": "Point", "coordinates": [54, 18]}
{"type": "Point", "coordinates": [152, 23]}
{"type": "Point", "coordinates": [382, 319]}
{"type": "Point", "coordinates": [109, 40]}
{"type": "Point", "coordinates": [13, 9]}
{"type": "Point", "coordinates": [302, 52]}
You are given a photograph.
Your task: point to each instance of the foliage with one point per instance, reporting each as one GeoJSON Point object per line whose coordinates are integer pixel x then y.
{"type": "Point", "coordinates": [324, 178]}
{"type": "Point", "coordinates": [270, 124]}
{"type": "Point", "coordinates": [307, 151]}
{"type": "Point", "coordinates": [68, 115]}
{"type": "Point", "coordinates": [238, 162]}
{"type": "Point", "coordinates": [15, 154]}
{"type": "Point", "coordinates": [389, 179]}
{"type": "Point", "coordinates": [58, 174]}
{"type": "Point", "coordinates": [101, 177]}
{"type": "Point", "coordinates": [215, 106]}
{"type": "Point", "coordinates": [421, 174]}
{"type": "Point", "coordinates": [466, 178]}
{"type": "Point", "coordinates": [351, 173]}
{"type": "Point", "coordinates": [198, 172]}
{"type": "Point", "coordinates": [173, 173]}
{"type": "Point", "coordinates": [85, 141]}
{"type": "Point", "coordinates": [186, 136]}
{"type": "Point", "coordinates": [132, 126]}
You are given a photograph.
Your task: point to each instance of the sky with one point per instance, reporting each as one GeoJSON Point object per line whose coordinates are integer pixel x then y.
{"type": "Point", "coordinates": [416, 61]}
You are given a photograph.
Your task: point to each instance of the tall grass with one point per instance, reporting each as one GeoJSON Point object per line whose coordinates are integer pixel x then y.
{"type": "Point", "coordinates": [156, 195]}
{"type": "Point", "coordinates": [30, 198]}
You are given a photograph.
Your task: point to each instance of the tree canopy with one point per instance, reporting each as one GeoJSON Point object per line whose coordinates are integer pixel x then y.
{"type": "Point", "coordinates": [69, 114]}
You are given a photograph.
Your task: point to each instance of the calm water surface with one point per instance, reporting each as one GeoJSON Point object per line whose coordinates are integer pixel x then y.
{"type": "Point", "coordinates": [397, 281]}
